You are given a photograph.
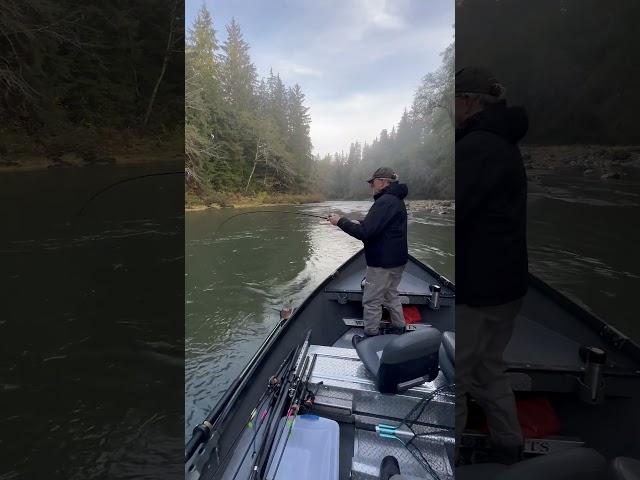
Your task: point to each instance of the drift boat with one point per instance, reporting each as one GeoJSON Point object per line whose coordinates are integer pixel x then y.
{"type": "Point", "coordinates": [310, 406]}
{"type": "Point", "coordinates": [577, 384]}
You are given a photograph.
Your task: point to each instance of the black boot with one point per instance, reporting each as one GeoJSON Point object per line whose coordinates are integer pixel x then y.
{"type": "Point", "coordinates": [389, 467]}
{"type": "Point", "coordinates": [505, 455]}
{"type": "Point", "coordinates": [396, 330]}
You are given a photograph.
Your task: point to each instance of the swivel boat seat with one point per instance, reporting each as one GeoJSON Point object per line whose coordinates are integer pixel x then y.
{"type": "Point", "coordinates": [447, 356]}
{"type": "Point", "coordinates": [571, 464]}
{"type": "Point", "coordinates": [399, 362]}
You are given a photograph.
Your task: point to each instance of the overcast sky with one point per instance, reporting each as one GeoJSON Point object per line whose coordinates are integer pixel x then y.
{"type": "Point", "coordinates": [358, 61]}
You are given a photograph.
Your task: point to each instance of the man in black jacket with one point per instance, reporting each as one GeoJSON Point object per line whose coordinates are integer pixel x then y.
{"type": "Point", "coordinates": [384, 233]}
{"type": "Point", "coordinates": [491, 252]}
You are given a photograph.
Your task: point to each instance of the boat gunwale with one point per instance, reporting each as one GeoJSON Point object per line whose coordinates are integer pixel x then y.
{"type": "Point", "coordinates": [627, 346]}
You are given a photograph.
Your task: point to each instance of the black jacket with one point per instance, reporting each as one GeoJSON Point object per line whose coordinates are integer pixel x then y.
{"type": "Point", "coordinates": [384, 229]}
{"type": "Point", "coordinates": [491, 208]}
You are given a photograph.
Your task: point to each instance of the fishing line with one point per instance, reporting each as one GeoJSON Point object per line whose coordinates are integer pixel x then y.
{"type": "Point", "coordinates": [120, 182]}
{"type": "Point", "coordinates": [288, 212]}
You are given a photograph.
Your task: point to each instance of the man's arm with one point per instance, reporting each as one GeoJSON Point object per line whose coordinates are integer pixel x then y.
{"type": "Point", "coordinates": [374, 223]}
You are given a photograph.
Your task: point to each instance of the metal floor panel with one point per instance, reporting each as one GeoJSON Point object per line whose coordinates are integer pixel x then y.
{"type": "Point", "coordinates": [349, 395]}
{"type": "Point", "coordinates": [370, 449]}
{"type": "Point", "coordinates": [341, 368]}
{"type": "Point", "coordinates": [345, 340]}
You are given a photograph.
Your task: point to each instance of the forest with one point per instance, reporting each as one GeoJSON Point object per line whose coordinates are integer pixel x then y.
{"type": "Point", "coordinates": [568, 62]}
{"type": "Point", "coordinates": [250, 136]}
{"type": "Point", "coordinates": [85, 79]}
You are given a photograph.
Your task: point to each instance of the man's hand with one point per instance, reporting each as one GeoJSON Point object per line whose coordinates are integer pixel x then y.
{"type": "Point", "coordinates": [333, 218]}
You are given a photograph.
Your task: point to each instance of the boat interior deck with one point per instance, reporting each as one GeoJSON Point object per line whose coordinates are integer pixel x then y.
{"type": "Point", "coordinates": [547, 336]}
{"type": "Point", "coordinates": [345, 391]}
{"type": "Point", "coordinates": [348, 395]}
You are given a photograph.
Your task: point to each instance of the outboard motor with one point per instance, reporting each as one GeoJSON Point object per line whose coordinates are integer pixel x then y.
{"type": "Point", "coordinates": [591, 386]}
{"type": "Point", "coordinates": [434, 302]}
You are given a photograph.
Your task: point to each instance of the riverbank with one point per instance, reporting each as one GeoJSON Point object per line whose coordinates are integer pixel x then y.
{"type": "Point", "coordinates": [39, 163]}
{"type": "Point", "coordinates": [81, 148]}
{"type": "Point", "coordinates": [195, 204]}
{"type": "Point", "coordinates": [607, 162]}
{"type": "Point", "coordinates": [434, 207]}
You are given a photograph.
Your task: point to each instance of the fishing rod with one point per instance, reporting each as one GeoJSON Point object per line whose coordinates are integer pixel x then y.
{"type": "Point", "coordinates": [276, 382]}
{"type": "Point", "coordinates": [288, 212]}
{"type": "Point", "coordinates": [276, 442]}
{"type": "Point", "coordinates": [266, 447]}
{"type": "Point", "coordinates": [120, 182]}
{"type": "Point", "coordinates": [297, 405]}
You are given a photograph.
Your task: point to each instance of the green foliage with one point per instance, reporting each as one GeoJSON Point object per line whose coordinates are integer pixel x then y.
{"type": "Point", "coordinates": [242, 135]}
{"type": "Point", "coordinates": [572, 64]}
{"type": "Point", "coordinates": [246, 136]}
{"type": "Point", "coordinates": [81, 67]}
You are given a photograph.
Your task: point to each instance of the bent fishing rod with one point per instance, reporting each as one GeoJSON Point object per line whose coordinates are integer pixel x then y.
{"type": "Point", "coordinates": [120, 182]}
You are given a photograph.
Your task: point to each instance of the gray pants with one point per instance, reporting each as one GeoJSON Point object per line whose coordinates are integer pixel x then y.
{"type": "Point", "coordinates": [482, 335]}
{"type": "Point", "coordinates": [381, 288]}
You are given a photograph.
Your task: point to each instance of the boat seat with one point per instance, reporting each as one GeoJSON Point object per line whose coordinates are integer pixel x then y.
{"type": "Point", "coordinates": [571, 464]}
{"type": "Point", "coordinates": [399, 362]}
{"type": "Point", "coordinates": [624, 468]}
{"type": "Point", "coordinates": [447, 356]}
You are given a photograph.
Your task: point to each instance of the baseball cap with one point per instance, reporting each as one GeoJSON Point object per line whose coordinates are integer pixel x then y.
{"type": "Point", "coordinates": [477, 80]}
{"type": "Point", "coordinates": [384, 172]}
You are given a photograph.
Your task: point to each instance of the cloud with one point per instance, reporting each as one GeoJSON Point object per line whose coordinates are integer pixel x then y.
{"type": "Point", "coordinates": [290, 69]}
{"type": "Point", "coordinates": [356, 117]}
{"type": "Point", "coordinates": [377, 14]}
{"type": "Point", "coordinates": [358, 62]}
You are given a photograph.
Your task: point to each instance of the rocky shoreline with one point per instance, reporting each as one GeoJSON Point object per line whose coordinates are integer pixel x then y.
{"type": "Point", "coordinates": [434, 207]}
{"type": "Point", "coordinates": [607, 162]}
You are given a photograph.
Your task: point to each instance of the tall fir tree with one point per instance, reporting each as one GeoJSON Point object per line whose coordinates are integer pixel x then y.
{"type": "Point", "coordinates": [299, 122]}
{"type": "Point", "coordinates": [238, 75]}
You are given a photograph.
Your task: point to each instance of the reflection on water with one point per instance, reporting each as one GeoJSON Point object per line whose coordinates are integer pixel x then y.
{"type": "Point", "coordinates": [236, 283]}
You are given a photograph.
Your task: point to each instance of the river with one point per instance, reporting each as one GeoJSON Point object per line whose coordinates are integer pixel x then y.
{"type": "Point", "coordinates": [582, 236]}
{"type": "Point", "coordinates": [91, 330]}
{"type": "Point", "coordinates": [238, 279]}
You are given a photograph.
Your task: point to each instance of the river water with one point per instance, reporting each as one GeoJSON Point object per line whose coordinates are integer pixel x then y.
{"type": "Point", "coordinates": [583, 239]}
{"type": "Point", "coordinates": [92, 325]}
{"type": "Point", "coordinates": [237, 280]}
{"type": "Point", "coordinates": [100, 373]}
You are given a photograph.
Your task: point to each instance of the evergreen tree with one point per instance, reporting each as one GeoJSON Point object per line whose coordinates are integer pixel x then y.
{"type": "Point", "coordinates": [299, 122]}
{"type": "Point", "coordinates": [238, 74]}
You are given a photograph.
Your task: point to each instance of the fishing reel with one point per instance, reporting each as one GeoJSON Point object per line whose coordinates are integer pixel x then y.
{"type": "Point", "coordinates": [274, 382]}
{"type": "Point", "coordinates": [310, 398]}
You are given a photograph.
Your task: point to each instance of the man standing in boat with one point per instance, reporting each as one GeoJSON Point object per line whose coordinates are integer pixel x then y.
{"type": "Point", "coordinates": [384, 233]}
{"type": "Point", "coordinates": [491, 252]}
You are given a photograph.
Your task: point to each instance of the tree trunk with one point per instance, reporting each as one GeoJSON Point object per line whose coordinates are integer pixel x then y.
{"type": "Point", "coordinates": [167, 54]}
{"type": "Point", "coordinates": [255, 162]}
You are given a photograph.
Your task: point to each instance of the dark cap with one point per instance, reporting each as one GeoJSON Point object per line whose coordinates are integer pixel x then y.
{"type": "Point", "coordinates": [384, 172]}
{"type": "Point", "coordinates": [477, 80]}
